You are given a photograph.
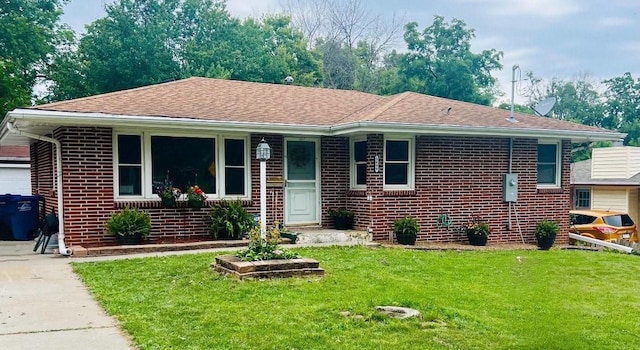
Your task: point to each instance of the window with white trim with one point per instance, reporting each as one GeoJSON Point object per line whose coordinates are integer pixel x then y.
{"type": "Point", "coordinates": [398, 163]}
{"type": "Point", "coordinates": [548, 164]}
{"type": "Point", "coordinates": [582, 198]}
{"type": "Point", "coordinates": [143, 162]}
{"type": "Point", "coordinates": [358, 157]}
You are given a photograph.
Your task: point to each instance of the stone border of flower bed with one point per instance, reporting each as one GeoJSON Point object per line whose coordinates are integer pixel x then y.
{"type": "Point", "coordinates": [301, 267]}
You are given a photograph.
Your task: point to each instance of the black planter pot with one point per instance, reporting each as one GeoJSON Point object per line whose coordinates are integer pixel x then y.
{"type": "Point", "coordinates": [406, 239]}
{"type": "Point", "coordinates": [128, 239]}
{"type": "Point", "coordinates": [477, 240]}
{"type": "Point", "coordinates": [195, 204]}
{"type": "Point", "coordinates": [342, 223]}
{"type": "Point", "coordinates": [168, 202]}
{"type": "Point", "coordinates": [546, 242]}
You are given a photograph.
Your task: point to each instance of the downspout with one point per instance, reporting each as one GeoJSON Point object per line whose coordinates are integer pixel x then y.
{"type": "Point", "coordinates": [510, 166]}
{"type": "Point", "coordinates": [61, 246]}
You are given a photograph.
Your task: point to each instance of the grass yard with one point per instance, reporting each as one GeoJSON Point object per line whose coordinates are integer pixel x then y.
{"type": "Point", "coordinates": [469, 300]}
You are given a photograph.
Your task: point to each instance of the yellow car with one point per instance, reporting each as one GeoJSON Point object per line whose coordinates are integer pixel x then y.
{"type": "Point", "coordinates": [605, 225]}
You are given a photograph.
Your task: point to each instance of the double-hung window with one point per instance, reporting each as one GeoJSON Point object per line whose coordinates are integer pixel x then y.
{"type": "Point", "coordinates": [548, 164]}
{"type": "Point", "coordinates": [398, 163]}
{"type": "Point", "coordinates": [358, 164]}
{"type": "Point", "coordinates": [143, 162]}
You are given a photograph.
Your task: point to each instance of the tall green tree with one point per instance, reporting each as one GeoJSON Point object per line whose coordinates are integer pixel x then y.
{"type": "Point", "coordinates": [29, 31]}
{"type": "Point", "coordinates": [439, 62]}
{"type": "Point", "coordinates": [622, 106]}
{"type": "Point", "coordinates": [134, 45]}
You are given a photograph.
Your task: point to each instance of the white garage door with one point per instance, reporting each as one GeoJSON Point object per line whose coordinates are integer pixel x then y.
{"type": "Point", "coordinates": [15, 179]}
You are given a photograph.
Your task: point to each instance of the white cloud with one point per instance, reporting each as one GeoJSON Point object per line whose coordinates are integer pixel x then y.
{"type": "Point", "coordinates": [612, 22]}
{"type": "Point", "coordinates": [539, 8]}
{"type": "Point", "coordinates": [251, 8]}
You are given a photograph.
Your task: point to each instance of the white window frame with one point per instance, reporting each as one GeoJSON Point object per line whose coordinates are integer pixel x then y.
{"type": "Point", "coordinates": [410, 163]}
{"type": "Point", "coordinates": [558, 144]}
{"type": "Point", "coordinates": [576, 197]}
{"type": "Point", "coordinates": [353, 165]}
{"type": "Point", "coordinates": [147, 192]}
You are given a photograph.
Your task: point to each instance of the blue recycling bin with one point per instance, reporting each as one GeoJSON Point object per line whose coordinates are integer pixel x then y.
{"type": "Point", "coordinates": [19, 216]}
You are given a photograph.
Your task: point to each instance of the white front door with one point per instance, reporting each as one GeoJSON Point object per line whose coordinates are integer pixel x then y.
{"type": "Point", "coordinates": [301, 186]}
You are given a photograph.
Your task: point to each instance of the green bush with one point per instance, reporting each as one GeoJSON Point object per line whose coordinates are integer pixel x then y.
{"type": "Point", "coordinates": [407, 226]}
{"type": "Point", "coordinates": [129, 222]}
{"type": "Point", "coordinates": [547, 227]}
{"type": "Point", "coordinates": [230, 220]}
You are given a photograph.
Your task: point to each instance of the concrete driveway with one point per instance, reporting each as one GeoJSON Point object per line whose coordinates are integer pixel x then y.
{"type": "Point", "coordinates": [43, 305]}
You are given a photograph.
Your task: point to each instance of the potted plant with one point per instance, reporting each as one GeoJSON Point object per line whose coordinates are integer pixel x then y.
{"type": "Point", "coordinates": [406, 230]}
{"type": "Point", "coordinates": [342, 218]}
{"type": "Point", "coordinates": [167, 193]}
{"type": "Point", "coordinates": [229, 220]}
{"type": "Point", "coordinates": [477, 232]}
{"type": "Point", "coordinates": [129, 226]}
{"type": "Point", "coordinates": [546, 232]}
{"type": "Point", "coordinates": [195, 196]}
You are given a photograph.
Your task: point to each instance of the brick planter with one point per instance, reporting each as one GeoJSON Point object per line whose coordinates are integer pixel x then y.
{"type": "Point", "coordinates": [229, 264]}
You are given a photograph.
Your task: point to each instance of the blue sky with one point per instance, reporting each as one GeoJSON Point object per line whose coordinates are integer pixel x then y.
{"type": "Point", "coordinates": [552, 38]}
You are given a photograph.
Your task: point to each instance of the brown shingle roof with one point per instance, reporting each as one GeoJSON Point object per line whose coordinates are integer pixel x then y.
{"type": "Point", "coordinates": [226, 100]}
{"type": "Point", "coordinates": [238, 101]}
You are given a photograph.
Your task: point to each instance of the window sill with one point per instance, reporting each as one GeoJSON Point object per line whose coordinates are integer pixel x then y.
{"type": "Point", "coordinates": [549, 190]}
{"type": "Point", "coordinates": [399, 193]}
{"type": "Point", "coordinates": [156, 203]}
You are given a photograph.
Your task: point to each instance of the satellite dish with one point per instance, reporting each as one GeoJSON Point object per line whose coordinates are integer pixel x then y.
{"type": "Point", "coordinates": [544, 107]}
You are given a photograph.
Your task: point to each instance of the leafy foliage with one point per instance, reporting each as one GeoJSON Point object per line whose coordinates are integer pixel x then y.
{"type": "Point", "coordinates": [29, 30]}
{"type": "Point", "coordinates": [265, 249]}
{"type": "Point", "coordinates": [440, 63]}
{"type": "Point", "coordinates": [477, 226]}
{"type": "Point", "coordinates": [229, 219]}
{"type": "Point", "coordinates": [129, 222]}
{"type": "Point", "coordinates": [406, 226]}
{"type": "Point", "coordinates": [547, 228]}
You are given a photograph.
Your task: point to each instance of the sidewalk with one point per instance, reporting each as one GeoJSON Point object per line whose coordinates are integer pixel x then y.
{"type": "Point", "coordinates": [43, 305]}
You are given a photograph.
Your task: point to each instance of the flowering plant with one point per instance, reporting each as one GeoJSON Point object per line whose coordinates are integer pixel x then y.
{"type": "Point", "coordinates": [478, 227]}
{"type": "Point", "coordinates": [265, 249]}
{"type": "Point", "coordinates": [195, 193]}
{"type": "Point", "coordinates": [167, 191]}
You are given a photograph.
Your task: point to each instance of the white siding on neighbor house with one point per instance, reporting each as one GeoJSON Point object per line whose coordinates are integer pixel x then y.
{"type": "Point", "coordinates": [634, 204]}
{"type": "Point", "coordinates": [15, 179]}
{"type": "Point", "coordinates": [615, 162]}
{"type": "Point", "coordinates": [607, 198]}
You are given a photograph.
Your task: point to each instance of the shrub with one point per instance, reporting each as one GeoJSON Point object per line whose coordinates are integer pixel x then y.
{"type": "Point", "coordinates": [230, 220]}
{"type": "Point", "coordinates": [547, 227]}
{"type": "Point", "coordinates": [129, 222]}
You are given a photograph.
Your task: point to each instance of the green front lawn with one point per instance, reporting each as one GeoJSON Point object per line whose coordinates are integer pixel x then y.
{"type": "Point", "coordinates": [468, 300]}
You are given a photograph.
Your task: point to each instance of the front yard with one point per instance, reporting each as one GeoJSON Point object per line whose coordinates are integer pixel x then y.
{"type": "Point", "coordinates": [468, 300]}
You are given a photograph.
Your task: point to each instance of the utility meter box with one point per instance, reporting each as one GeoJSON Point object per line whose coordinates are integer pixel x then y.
{"type": "Point", "coordinates": [510, 187]}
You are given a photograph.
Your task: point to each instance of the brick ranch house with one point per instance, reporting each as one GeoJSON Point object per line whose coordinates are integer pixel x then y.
{"type": "Point", "coordinates": [384, 157]}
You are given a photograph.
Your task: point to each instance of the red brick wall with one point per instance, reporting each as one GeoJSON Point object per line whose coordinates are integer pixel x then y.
{"type": "Point", "coordinates": [462, 178]}
{"type": "Point", "coordinates": [459, 177]}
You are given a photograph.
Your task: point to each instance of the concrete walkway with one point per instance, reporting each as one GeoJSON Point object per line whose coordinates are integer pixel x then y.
{"type": "Point", "coordinates": [43, 305]}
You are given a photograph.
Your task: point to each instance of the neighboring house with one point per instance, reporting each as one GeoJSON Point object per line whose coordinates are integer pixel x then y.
{"type": "Point", "coordinates": [384, 157]}
{"type": "Point", "coordinates": [15, 173]}
{"type": "Point", "coordinates": [610, 180]}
